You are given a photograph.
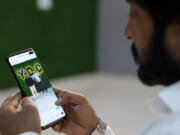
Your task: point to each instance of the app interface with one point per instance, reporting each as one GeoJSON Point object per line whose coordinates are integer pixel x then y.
{"type": "Point", "coordinates": [35, 84]}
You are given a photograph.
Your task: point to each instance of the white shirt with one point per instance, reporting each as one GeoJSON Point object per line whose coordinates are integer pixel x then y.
{"type": "Point", "coordinates": [29, 133]}
{"type": "Point", "coordinates": [166, 103]}
{"type": "Point", "coordinates": [36, 77]}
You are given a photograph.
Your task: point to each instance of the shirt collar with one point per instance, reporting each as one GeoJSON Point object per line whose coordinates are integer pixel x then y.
{"type": "Point", "coordinates": [166, 101]}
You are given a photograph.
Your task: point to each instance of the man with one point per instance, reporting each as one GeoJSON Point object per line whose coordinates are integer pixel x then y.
{"type": "Point", "coordinates": [37, 78]}
{"type": "Point", "coordinates": [155, 28]}
{"type": "Point", "coordinates": [13, 122]}
{"type": "Point", "coordinates": [30, 84]}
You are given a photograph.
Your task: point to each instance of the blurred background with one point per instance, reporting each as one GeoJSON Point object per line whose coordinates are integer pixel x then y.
{"type": "Point", "coordinates": [70, 37]}
{"type": "Point", "coordinates": [63, 33]}
{"type": "Point", "coordinates": [82, 47]}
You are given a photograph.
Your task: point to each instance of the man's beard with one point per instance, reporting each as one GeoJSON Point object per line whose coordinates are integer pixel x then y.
{"type": "Point", "coordinates": [159, 68]}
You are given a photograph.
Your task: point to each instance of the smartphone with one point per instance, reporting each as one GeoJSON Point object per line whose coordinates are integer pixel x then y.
{"type": "Point", "coordinates": [33, 82]}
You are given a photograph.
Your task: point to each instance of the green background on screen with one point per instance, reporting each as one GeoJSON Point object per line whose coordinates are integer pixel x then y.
{"type": "Point", "coordinates": [24, 66]}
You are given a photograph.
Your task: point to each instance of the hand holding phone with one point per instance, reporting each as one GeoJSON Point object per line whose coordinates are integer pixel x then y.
{"type": "Point", "coordinates": [33, 82]}
{"type": "Point", "coordinates": [13, 122]}
{"type": "Point", "coordinates": [81, 117]}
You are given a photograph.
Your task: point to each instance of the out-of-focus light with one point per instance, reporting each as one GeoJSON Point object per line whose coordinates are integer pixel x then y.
{"type": "Point", "coordinates": [45, 5]}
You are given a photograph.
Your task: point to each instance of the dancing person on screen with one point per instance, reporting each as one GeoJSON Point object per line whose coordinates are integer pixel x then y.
{"type": "Point", "coordinates": [37, 78]}
{"type": "Point", "coordinates": [31, 85]}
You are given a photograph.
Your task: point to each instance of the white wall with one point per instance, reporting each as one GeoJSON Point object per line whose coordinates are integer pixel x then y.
{"type": "Point", "coordinates": [114, 53]}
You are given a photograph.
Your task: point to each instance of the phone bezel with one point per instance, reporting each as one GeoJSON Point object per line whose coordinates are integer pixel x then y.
{"type": "Point", "coordinates": [21, 89]}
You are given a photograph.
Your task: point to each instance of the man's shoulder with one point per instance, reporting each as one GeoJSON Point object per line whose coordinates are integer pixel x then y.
{"type": "Point", "coordinates": [164, 124]}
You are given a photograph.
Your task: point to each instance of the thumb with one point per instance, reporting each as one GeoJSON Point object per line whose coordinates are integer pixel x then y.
{"type": "Point", "coordinates": [14, 101]}
{"type": "Point", "coordinates": [28, 106]}
{"type": "Point", "coordinates": [69, 97]}
{"type": "Point", "coordinates": [27, 102]}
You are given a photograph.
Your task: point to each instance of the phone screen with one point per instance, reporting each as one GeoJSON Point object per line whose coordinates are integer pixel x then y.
{"type": "Point", "coordinates": [35, 84]}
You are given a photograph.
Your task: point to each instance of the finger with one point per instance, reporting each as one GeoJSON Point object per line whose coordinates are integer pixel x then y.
{"type": "Point", "coordinates": [65, 127]}
{"type": "Point", "coordinates": [57, 127]}
{"type": "Point", "coordinates": [15, 100]}
{"type": "Point", "coordinates": [61, 95]}
{"type": "Point", "coordinates": [29, 106]}
{"type": "Point", "coordinates": [67, 97]}
{"type": "Point", "coordinates": [57, 90]}
{"type": "Point", "coordinates": [7, 100]}
{"type": "Point", "coordinates": [60, 127]}
{"type": "Point", "coordinates": [27, 102]}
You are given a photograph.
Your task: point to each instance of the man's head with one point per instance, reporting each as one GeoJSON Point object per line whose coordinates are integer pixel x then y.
{"type": "Point", "coordinates": [154, 27]}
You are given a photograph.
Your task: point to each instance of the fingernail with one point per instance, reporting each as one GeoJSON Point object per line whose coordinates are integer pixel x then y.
{"type": "Point", "coordinates": [59, 101]}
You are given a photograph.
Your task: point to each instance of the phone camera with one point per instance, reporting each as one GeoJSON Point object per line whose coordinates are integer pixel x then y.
{"type": "Point", "coordinates": [30, 52]}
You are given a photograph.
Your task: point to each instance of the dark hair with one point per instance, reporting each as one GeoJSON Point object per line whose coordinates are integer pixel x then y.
{"type": "Point", "coordinates": [163, 12]}
{"type": "Point", "coordinates": [160, 68]}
